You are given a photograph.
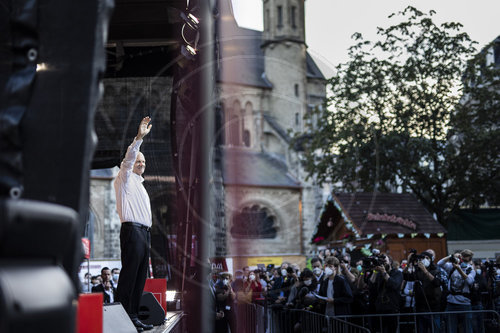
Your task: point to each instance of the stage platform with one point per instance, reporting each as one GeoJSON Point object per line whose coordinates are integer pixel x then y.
{"type": "Point", "coordinates": [173, 323]}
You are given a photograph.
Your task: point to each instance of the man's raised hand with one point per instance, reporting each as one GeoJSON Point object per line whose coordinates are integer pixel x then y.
{"type": "Point", "coordinates": [143, 128]}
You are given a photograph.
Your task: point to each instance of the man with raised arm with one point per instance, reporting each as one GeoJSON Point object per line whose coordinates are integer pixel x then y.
{"type": "Point", "coordinates": [134, 209]}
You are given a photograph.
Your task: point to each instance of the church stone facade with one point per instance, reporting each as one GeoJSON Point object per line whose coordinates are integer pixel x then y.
{"type": "Point", "coordinates": [267, 84]}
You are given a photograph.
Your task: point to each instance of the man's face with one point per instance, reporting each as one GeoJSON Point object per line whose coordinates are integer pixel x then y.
{"type": "Point", "coordinates": [316, 264]}
{"type": "Point", "coordinates": [107, 285]}
{"type": "Point", "coordinates": [140, 164]}
{"type": "Point", "coordinates": [246, 271]}
{"type": "Point", "coordinates": [387, 261]}
{"type": "Point", "coordinates": [106, 275]}
{"type": "Point", "coordinates": [466, 258]}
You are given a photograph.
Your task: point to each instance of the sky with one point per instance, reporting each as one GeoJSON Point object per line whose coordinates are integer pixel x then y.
{"type": "Point", "coordinates": [331, 23]}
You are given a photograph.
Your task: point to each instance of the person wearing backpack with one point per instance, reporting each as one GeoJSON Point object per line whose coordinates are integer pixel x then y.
{"type": "Point", "coordinates": [461, 278]}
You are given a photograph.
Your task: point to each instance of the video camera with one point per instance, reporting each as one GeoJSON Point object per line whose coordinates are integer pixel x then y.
{"type": "Point", "coordinates": [373, 261]}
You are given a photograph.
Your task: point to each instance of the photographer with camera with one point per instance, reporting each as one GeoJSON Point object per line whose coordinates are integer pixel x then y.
{"type": "Point", "coordinates": [346, 269]}
{"type": "Point", "coordinates": [426, 288]}
{"type": "Point", "coordinates": [461, 277]}
{"type": "Point", "coordinates": [385, 286]}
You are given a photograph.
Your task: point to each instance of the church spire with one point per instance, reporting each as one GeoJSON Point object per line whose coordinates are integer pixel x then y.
{"type": "Point", "coordinates": [283, 20]}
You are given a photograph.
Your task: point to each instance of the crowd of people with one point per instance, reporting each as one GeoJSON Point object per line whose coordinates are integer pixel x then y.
{"type": "Point", "coordinates": [334, 285]}
{"type": "Point", "coordinates": [105, 283]}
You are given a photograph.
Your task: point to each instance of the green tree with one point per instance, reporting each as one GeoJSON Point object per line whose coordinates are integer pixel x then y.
{"type": "Point", "coordinates": [390, 112]}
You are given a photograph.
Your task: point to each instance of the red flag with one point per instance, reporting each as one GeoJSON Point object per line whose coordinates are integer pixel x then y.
{"type": "Point", "coordinates": [86, 247]}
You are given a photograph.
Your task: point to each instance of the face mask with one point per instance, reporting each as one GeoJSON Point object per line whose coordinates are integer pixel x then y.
{"type": "Point", "coordinates": [115, 277]}
{"type": "Point", "coordinates": [478, 271]}
{"type": "Point", "coordinates": [283, 272]}
{"type": "Point", "coordinates": [251, 277]}
{"type": "Point", "coordinates": [225, 282]}
{"type": "Point", "coordinates": [426, 262]}
{"type": "Point", "coordinates": [328, 271]}
{"type": "Point", "coordinates": [498, 271]}
{"type": "Point", "coordinates": [307, 282]}
{"type": "Point", "coordinates": [359, 268]}
{"type": "Point", "coordinates": [317, 271]}
{"type": "Point", "coordinates": [463, 265]}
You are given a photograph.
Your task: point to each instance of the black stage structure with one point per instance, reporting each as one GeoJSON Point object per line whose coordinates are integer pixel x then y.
{"type": "Point", "coordinates": [50, 118]}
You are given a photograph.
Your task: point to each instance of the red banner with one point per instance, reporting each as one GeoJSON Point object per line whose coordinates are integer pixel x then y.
{"type": "Point", "coordinates": [86, 247]}
{"type": "Point", "coordinates": [219, 263]}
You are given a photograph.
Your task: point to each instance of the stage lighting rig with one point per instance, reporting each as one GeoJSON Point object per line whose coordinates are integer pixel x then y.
{"type": "Point", "coordinates": [190, 34]}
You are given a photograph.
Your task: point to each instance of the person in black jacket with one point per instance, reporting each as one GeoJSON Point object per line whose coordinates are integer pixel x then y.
{"type": "Point", "coordinates": [106, 288]}
{"type": "Point", "coordinates": [385, 286]}
{"type": "Point", "coordinates": [427, 289]}
{"type": "Point", "coordinates": [478, 296]}
{"type": "Point", "coordinates": [336, 289]}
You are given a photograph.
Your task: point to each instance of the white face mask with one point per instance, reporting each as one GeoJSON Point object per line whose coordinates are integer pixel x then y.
{"type": "Point", "coordinates": [426, 262]}
{"type": "Point", "coordinates": [283, 272]}
{"type": "Point", "coordinates": [115, 277]}
{"type": "Point", "coordinates": [225, 282]}
{"type": "Point", "coordinates": [478, 271]}
{"type": "Point", "coordinates": [307, 282]}
{"type": "Point", "coordinates": [317, 271]}
{"type": "Point", "coordinates": [251, 277]}
{"type": "Point", "coordinates": [498, 271]}
{"type": "Point", "coordinates": [328, 271]}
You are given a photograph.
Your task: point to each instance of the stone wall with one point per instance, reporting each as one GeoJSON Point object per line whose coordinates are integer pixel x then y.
{"type": "Point", "coordinates": [106, 228]}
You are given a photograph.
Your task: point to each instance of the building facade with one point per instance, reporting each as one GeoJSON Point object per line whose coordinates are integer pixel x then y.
{"type": "Point", "coordinates": [267, 84]}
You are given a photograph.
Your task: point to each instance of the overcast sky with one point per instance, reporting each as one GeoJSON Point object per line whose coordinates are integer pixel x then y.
{"type": "Point", "coordinates": [331, 23]}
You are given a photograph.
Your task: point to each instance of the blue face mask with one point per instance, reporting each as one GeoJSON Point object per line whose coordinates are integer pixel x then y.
{"type": "Point", "coordinates": [463, 265]}
{"type": "Point", "coordinates": [359, 268]}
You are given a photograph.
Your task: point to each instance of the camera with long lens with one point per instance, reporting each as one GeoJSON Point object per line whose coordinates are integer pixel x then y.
{"type": "Point", "coordinates": [415, 258]}
{"type": "Point", "coordinates": [373, 261]}
{"type": "Point", "coordinates": [454, 260]}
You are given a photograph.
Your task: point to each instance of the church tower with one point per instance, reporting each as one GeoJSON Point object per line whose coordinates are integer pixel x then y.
{"type": "Point", "coordinates": [285, 61]}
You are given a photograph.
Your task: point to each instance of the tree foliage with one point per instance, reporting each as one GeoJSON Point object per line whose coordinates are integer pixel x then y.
{"type": "Point", "coordinates": [415, 111]}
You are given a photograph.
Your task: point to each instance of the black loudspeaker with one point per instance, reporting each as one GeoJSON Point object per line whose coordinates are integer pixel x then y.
{"type": "Point", "coordinates": [35, 298]}
{"type": "Point", "coordinates": [116, 320]}
{"type": "Point", "coordinates": [150, 311]}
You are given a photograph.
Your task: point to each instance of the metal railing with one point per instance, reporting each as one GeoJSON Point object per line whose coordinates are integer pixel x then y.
{"type": "Point", "coordinates": [290, 320]}
{"type": "Point", "coordinates": [254, 318]}
{"type": "Point", "coordinates": [481, 321]}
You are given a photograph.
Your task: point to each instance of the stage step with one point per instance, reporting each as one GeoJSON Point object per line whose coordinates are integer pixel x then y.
{"type": "Point", "coordinates": [173, 323]}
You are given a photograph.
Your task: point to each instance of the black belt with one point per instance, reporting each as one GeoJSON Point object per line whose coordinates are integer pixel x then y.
{"type": "Point", "coordinates": [455, 293]}
{"type": "Point", "coordinates": [138, 225]}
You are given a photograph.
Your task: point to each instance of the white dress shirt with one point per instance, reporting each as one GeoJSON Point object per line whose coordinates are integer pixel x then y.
{"type": "Point", "coordinates": [132, 200]}
{"type": "Point", "coordinates": [111, 295]}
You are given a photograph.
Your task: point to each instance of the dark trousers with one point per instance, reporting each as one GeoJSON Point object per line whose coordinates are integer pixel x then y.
{"type": "Point", "coordinates": [134, 245]}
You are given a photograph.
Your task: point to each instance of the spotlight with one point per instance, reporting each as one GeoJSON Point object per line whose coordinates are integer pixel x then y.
{"type": "Point", "coordinates": [173, 300]}
{"type": "Point", "coordinates": [190, 34]}
{"type": "Point", "coordinates": [190, 20]}
{"type": "Point", "coordinates": [170, 294]}
{"type": "Point", "coordinates": [41, 67]}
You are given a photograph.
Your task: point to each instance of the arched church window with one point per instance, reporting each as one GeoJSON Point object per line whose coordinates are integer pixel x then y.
{"type": "Point", "coordinates": [266, 22]}
{"type": "Point", "coordinates": [234, 131]}
{"type": "Point", "coordinates": [246, 138]}
{"type": "Point", "coordinates": [280, 16]}
{"type": "Point", "coordinates": [253, 222]}
{"type": "Point", "coordinates": [293, 13]}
